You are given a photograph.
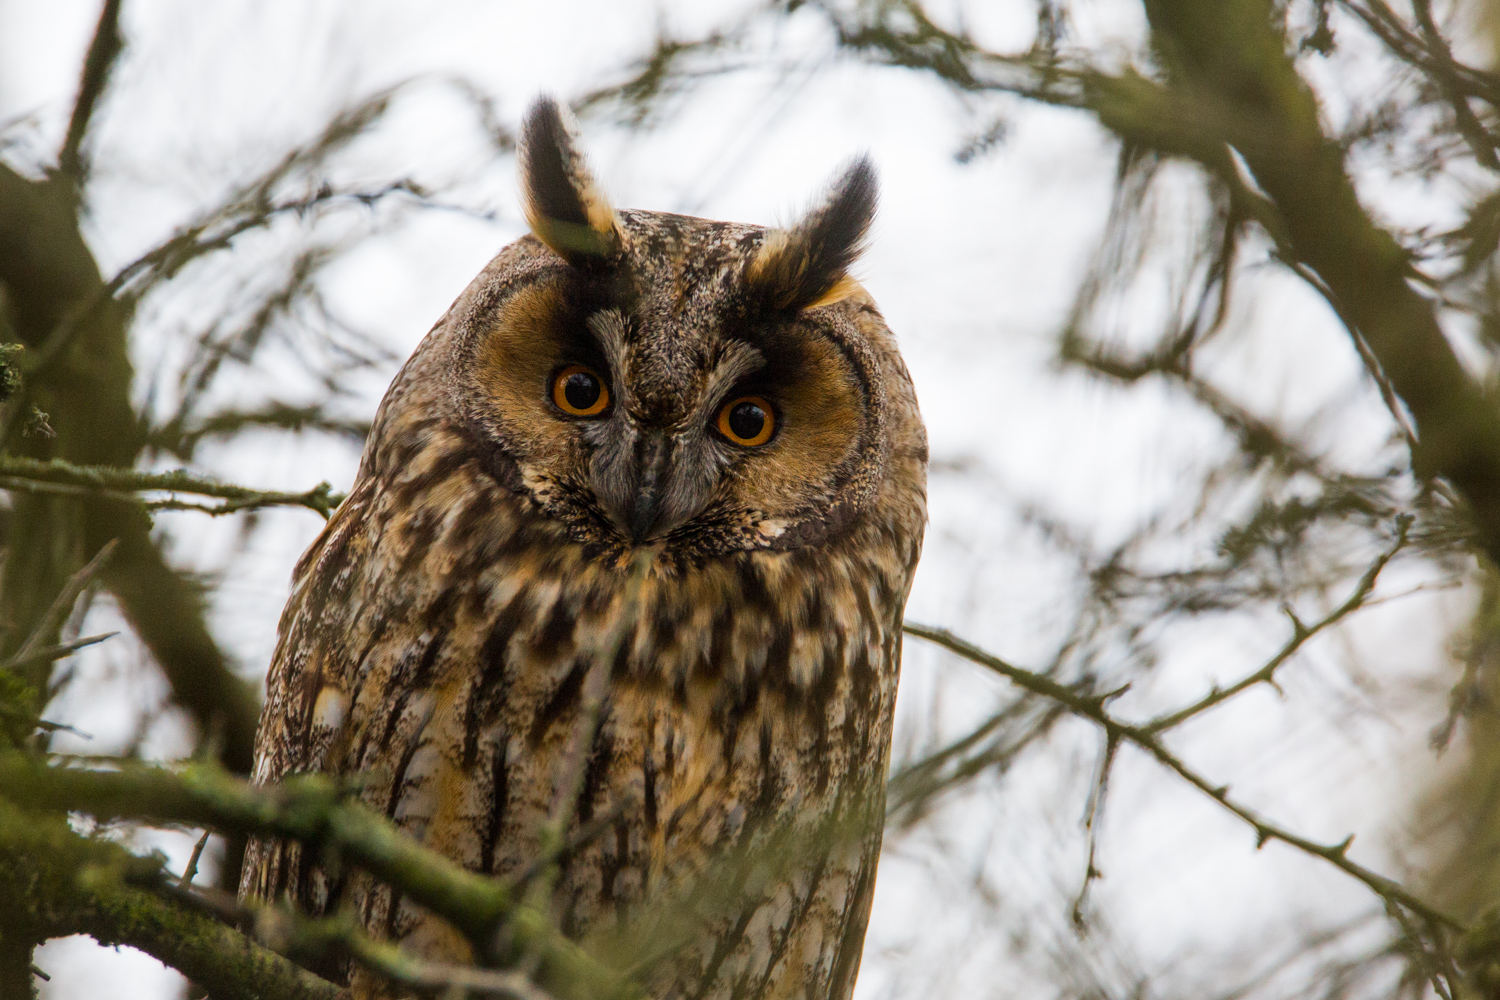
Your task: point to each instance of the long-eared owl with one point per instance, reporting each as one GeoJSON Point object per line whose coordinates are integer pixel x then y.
{"type": "Point", "coordinates": [627, 551]}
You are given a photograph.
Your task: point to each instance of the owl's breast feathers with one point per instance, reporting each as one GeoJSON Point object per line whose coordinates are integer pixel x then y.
{"type": "Point", "coordinates": [438, 643]}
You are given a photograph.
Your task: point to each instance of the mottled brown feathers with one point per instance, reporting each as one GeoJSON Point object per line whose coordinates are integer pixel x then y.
{"type": "Point", "coordinates": [491, 582]}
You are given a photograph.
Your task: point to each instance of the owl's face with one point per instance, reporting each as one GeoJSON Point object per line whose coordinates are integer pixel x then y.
{"type": "Point", "coordinates": [696, 387]}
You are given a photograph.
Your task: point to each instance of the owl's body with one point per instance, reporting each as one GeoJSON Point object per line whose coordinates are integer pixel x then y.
{"type": "Point", "coordinates": [687, 645]}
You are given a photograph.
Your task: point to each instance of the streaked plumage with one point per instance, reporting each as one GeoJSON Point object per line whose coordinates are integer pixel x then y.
{"type": "Point", "coordinates": [742, 605]}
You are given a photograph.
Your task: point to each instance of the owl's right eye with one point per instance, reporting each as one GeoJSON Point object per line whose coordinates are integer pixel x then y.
{"type": "Point", "coordinates": [580, 392]}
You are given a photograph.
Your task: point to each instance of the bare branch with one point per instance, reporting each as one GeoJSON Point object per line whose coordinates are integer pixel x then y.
{"type": "Point", "coordinates": [1093, 820]}
{"type": "Point", "coordinates": [105, 47]}
{"type": "Point", "coordinates": [47, 654]}
{"type": "Point", "coordinates": [1417, 51]}
{"type": "Point", "coordinates": [191, 871]}
{"type": "Point", "coordinates": [991, 747]}
{"type": "Point", "coordinates": [1092, 707]}
{"type": "Point", "coordinates": [57, 613]}
{"type": "Point", "coordinates": [1229, 85]}
{"type": "Point", "coordinates": [318, 940]}
{"type": "Point", "coordinates": [1300, 635]}
{"type": "Point", "coordinates": [183, 441]}
{"type": "Point", "coordinates": [1445, 71]}
{"type": "Point", "coordinates": [574, 761]}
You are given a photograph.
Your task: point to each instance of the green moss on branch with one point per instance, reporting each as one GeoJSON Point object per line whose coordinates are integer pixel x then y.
{"type": "Point", "coordinates": [54, 883]}
{"type": "Point", "coordinates": [57, 475]}
{"type": "Point", "coordinates": [315, 810]}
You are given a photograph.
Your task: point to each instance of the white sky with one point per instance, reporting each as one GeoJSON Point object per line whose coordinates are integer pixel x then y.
{"type": "Point", "coordinates": [974, 267]}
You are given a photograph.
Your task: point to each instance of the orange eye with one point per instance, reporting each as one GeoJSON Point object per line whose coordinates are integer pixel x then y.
{"type": "Point", "coordinates": [747, 421]}
{"type": "Point", "coordinates": [580, 391]}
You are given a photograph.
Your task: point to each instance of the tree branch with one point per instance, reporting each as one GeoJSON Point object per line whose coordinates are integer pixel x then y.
{"type": "Point", "coordinates": [54, 883]}
{"type": "Point", "coordinates": [1388, 26]}
{"type": "Point", "coordinates": [105, 47]}
{"type": "Point", "coordinates": [47, 654]}
{"type": "Point", "coordinates": [49, 279]}
{"type": "Point", "coordinates": [1237, 57]}
{"type": "Point", "coordinates": [313, 809]}
{"type": "Point", "coordinates": [182, 439]}
{"type": "Point", "coordinates": [341, 936]}
{"type": "Point", "coordinates": [1301, 633]}
{"type": "Point", "coordinates": [1229, 84]}
{"type": "Point", "coordinates": [57, 612]}
{"type": "Point", "coordinates": [122, 484]}
{"type": "Point", "coordinates": [1092, 707]}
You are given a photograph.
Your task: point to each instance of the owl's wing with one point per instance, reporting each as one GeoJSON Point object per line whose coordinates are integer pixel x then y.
{"type": "Point", "coordinates": [857, 919]}
{"type": "Point", "coordinates": [305, 709]}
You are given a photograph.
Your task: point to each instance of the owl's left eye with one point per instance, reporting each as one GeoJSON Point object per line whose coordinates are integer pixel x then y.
{"type": "Point", "coordinates": [748, 421]}
{"type": "Point", "coordinates": [579, 391]}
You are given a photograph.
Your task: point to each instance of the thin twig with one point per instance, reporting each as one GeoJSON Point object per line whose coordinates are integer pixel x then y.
{"type": "Point", "coordinates": [426, 977]}
{"type": "Point", "coordinates": [122, 484]}
{"type": "Point", "coordinates": [1093, 819]}
{"type": "Point", "coordinates": [57, 613]}
{"type": "Point", "coordinates": [1301, 633]}
{"type": "Point", "coordinates": [1439, 978]}
{"type": "Point", "coordinates": [1388, 394]}
{"type": "Point", "coordinates": [1091, 707]}
{"type": "Point", "coordinates": [187, 245]}
{"type": "Point", "coordinates": [191, 871]}
{"type": "Point", "coordinates": [1388, 26]}
{"type": "Point", "coordinates": [340, 936]}
{"type": "Point", "coordinates": [1443, 71]}
{"type": "Point", "coordinates": [257, 502]}
{"type": "Point", "coordinates": [552, 837]}
{"type": "Point", "coordinates": [581, 838]}
{"type": "Point", "coordinates": [596, 684]}
{"type": "Point", "coordinates": [1264, 210]}
{"type": "Point", "coordinates": [47, 654]}
{"type": "Point", "coordinates": [916, 784]}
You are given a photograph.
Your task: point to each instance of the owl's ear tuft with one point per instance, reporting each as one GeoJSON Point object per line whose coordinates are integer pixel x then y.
{"type": "Point", "coordinates": [807, 265]}
{"type": "Point", "coordinates": [564, 205]}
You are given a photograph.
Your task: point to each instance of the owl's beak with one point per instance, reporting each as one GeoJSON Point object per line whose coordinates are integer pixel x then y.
{"type": "Point", "coordinates": [644, 483]}
{"type": "Point", "coordinates": [653, 460]}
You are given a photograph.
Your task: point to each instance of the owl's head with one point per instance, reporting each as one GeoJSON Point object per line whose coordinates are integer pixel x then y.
{"type": "Point", "coordinates": [655, 380]}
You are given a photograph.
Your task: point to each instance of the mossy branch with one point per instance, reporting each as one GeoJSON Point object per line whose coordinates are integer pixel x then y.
{"type": "Point", "coordinates": [17, 472]}
{"type": "Point", "coordinates": [317, 811]}
{"type": "Point", "coordinates": [54, 882]}
{"type": "Point", "coordinates": [341, 936]}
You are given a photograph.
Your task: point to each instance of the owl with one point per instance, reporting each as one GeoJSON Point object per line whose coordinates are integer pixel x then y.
{"type": "Point", "coordinates": [625, 560]}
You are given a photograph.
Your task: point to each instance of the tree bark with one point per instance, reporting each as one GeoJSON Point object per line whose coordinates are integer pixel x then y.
{"type": "Point", "coordinates": [1231, 60]}
{"type": "Point", "coordinates": [53, 284]}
